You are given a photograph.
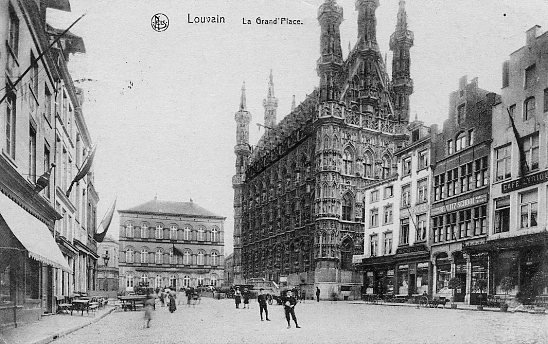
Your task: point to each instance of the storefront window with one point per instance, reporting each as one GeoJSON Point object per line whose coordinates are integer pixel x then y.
{"type": "Point", "coordinates": [368, 282]}
{"type": "Point", "coordinates": [479, 272]}
{"type": "Point", "coordinates": [403, 279]}
{"type": "Point", "coordinates": [443, 275]}
{"type": "Point", "coordinates": [6, 291]}
{"type": "Point", "coordinates": [422, 278]}
{"type": "Point", "coordinates": [389, 282]}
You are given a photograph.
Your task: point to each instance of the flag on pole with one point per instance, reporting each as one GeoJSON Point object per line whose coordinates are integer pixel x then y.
{"type": "Point", "coordinates": [523, 167]}
{"type": "Point", "coordinates": [176, 251]}
{"type": "Point", "coordinates": [101, 231]}
{"type": "Point", "coordinates": [86, 167]}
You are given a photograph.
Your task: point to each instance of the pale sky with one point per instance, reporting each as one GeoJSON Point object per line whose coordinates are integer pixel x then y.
{"type": "Point", "coordinates": [172, 133]}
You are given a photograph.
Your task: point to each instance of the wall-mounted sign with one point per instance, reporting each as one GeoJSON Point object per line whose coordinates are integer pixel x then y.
{"type": "Point", "coordinates": [524, 182]}
{"type": "Point", "coordinates": [459, 204]}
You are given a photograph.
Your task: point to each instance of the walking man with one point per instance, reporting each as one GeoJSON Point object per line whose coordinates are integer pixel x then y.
{"type": "Point", "coordinates": [262, 304]}
{"type": "Point", "coordinates": [289, 307]}
{"type": "Point", "coordinates": [317, 294]}
{"type": "Point", "coordinates": [246, 297]}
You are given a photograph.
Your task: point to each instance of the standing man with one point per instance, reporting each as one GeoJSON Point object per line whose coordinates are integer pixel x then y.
{"type": "Point", "coordinates": [317, 294]}
{"type": "Point", "coordinates": [262, 304]}
{"type": "Point", "coordinates": [238, 297]}
{"type": "Point", "coordinates": [289, 307]}
{"type": "Point", "coordinates": [246, 297]}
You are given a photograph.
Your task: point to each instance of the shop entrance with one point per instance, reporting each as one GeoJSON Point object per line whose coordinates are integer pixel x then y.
{"type": "Point", "coordinates": [460, 273]}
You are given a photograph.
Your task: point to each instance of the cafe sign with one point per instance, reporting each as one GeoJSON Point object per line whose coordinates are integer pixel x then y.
{"type": "Point", "coordinates": [459, 204]}
{"type": "Point", "coordinates": [524, 182]}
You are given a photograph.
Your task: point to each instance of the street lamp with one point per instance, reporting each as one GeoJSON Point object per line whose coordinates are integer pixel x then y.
{"type": "Point", "coordinates": [106, 258]}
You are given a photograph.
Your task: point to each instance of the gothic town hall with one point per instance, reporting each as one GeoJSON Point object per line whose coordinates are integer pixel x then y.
{"type": "Point", "coordinates": [299, 193]}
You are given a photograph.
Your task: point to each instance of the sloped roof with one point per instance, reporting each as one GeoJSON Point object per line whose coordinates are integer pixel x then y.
{"type": "Point", "coordinates": [156, 206]}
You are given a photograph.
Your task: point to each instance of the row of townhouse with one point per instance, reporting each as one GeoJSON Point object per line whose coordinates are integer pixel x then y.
{"type": "Point", "coordinates": [469, 200]}
{"type": "Point", "coordinates": [47, 249]}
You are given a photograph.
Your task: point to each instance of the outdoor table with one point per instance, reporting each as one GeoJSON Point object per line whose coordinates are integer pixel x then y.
{"type": "Point", "coordinates": [80, 305]}
{"type": "Point", "coordinates": [131, 300]}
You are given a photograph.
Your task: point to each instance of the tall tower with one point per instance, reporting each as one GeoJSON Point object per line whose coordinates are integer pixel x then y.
{"type": "Point", "coordinates": [270, 105]}
{"type": "Point", "coordinates": [242, 151]}
{"type": "Point", "coordinates": [401, 42]}
{"type": "Point", "coordinates": [367, 24]}
{"type": "Point", "coordinates": [330, 63]}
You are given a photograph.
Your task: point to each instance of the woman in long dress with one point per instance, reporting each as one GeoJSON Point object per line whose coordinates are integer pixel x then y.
{"type": "Point", "coordinates": [172, 302]}
{"type": "Point", "coordinates": [238, 297]}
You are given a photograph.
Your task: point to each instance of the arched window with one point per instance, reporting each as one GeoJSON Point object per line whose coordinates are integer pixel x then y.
{"type": "Point", "coordinates": [187, 257]}
{"type": "Point", "coordinates": [129, 230]}
{"type": "Point", "coordinates": [144, 229]}
{"type": "Point", "coordinates": [144, 256]}
{"type": "Point", "coordinates": [201, 233]}
{"type": "Point", "coordinates": [200, 281]}
{"type": "Point", "coordinates": [129, 280]}
{"type": "Point", "coordinates": [213, 280]}
{"type": "Point", "coordinates": [214, 258]}
{"type": "Point", "coordinates": [173, 282]}
{"type": "Point", "coordinates": [214, 234]}
{"type": "Point", "coordinates": [129, 255]}
{"type": "Point", "coordinates": [347, 161]}
{"type": "Point", "coordinates": [347, 206]}
{"type": "Point", "coordinates": [326, 142]}
{"type": "Point", "coordinates": [346, 254]}
{"type": "Point", "coordinates": [172, 258]}
{"type": "Point", "coordinates": [159, 256]}
{"type": "Point", "coordinates": [159, 232]}
{"type": "Point", "coordinates": [173, 232]}
{"type": "Point", "coordinates": [158, 282]}
{"type": "Point", "coordinates": [460, 142]}
{"type": "Point", "coordinates": [187, 233]}
{"type": "Point", "coordinates": [186, 281]}
{"type": "Point", "coordinates": [386, 166]}
{"type": "Point", "coordinates": [201, 258]}
{"type": "Point", "coordinates": [368, 165]}
{"type": "Point", "coordinates": [144, 280]}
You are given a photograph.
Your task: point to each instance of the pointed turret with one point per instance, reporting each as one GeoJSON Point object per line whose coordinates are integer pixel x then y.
{"type": "Point", "coordinates": [367, 24]}
{"type": "Point", "coordinates": [401, 42]}
{"type": "Point", "coordinates": [270, 105]}
{"type": "Point", "coordinates": [330, 17]}
{"type": "Point", "coordinates": [242, 98]}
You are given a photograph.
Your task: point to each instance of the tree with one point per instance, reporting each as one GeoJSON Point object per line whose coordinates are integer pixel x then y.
{"type": "Point", "coordinates": [454, 283]}
{"type": "Point", "coordinates": [481, 284]}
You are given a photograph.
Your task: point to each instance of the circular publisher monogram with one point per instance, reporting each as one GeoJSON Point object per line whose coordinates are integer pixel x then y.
{"type": "Point", "coordinates": [159, 22]}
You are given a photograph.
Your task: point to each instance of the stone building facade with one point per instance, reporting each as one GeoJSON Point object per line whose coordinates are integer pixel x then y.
{"type": "Point", "coordinates": [460, 194]}
{"type": "Point", "coordinates": [299, 193]}
{"type": "Point", "coordinates": [165, 243]}
{"type": "Point", "coordinates": [107, 266]}
{"type": "Point", "coordinates": [41, 124]}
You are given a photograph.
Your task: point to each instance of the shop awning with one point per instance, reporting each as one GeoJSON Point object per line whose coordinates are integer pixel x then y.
{"type": "Point", "coordinates": [32, 234]}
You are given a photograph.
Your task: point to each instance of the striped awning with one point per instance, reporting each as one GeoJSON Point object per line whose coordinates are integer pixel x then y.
{"type": "Point", "coordinates": [32, 234]}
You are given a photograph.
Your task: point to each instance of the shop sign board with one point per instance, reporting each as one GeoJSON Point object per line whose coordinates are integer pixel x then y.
{"type": "Point", "coordinates": [459, 204]}
{"type": "Point", "coordinates": [524, 182]}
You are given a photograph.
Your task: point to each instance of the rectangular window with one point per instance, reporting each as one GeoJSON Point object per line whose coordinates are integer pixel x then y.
{"type": "Point", "coordinates": [437, 228]}
{"type": "Point", "coordinates": [373, 245]}
{"type": "Point", "coordinates": [387, 243]}
{"type": "Point", "coordinates": [421, 228]}
{"type": "Point", "coordinates": [452, 182]}
{"type": "Point", "coordinates": [406, 196]}
{"type": "Point", "coordinates": [423, 159]}
{"type": "Point", "coordinates": [450, 147]}
{"type": "Point", "coordinates": [437, 188]}
{"type": "Point", "coordinates": [528, 209]}
{"type": "Point", "coordinates": [530, 76]}
{"type": "Point", "coordinates": [374, 196]}
{"type": "Point", "coordinates": [529, 108]}
{"type": "Point", "coordinates": [422, 191]}
{"type": "Point", "coordinates": [504, 162]}
{"type": "Point", "coordinates": [404, 231]}
{"type": "Point", "coordinates": [502, 215]}
{"type": "Point", "coordinates": [32, 153]}
{"type": "Point", "coordinates": [406, 166]}
{"type": "Point", "coordinates": [374, 218]}
{"type": "Point", "coordinates": [480, 220]}
{"type": "Point", "coordinates": [471, 137]}
{"type": "Point", "coordinates": [546, 100]}
{"type": "Point", "coordinates": [47, 162]}
{"type": "Point", "coordinates": [451, 226]}
{"type": "Point", "coordinates": [10, 122]}
{"type": "Point", "coordinates": [531, 149]}
{"type": "Point", "coordinates": [13, 38]}
{"type": "Point", "coordinates": [481, 172]}
{"type": "Point", "coordinates": [388, 191]}
{"type": "Point", "coordinates": [388, 214]}
{"type": "Point", "coordinates": [47, 103]}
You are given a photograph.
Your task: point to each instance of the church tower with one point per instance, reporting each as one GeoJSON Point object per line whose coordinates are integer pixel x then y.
{"type": "Point", "coordinates": [367, 25]}
{"type": "Point", "coordinates": [242, 151]}
{"type": "Point", "coordinates": [270, 105]}
{"type": "Point", "coordinates": [401, 42]}
{"type": "Point", "coordinates": [330, 63]}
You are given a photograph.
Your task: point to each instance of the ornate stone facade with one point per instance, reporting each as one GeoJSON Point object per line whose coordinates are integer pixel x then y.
{"type": "Point", "coordinates": [298, 207]}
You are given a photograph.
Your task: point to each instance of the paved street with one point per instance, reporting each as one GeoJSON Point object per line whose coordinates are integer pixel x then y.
{"type": "Point", "coordinates": [216, 321]}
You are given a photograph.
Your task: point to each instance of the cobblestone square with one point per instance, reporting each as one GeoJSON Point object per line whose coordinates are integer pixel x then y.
{"type": "Point", "coordinates": [218, 321]}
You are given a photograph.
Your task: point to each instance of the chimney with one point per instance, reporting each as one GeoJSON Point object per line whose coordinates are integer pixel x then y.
{"type": "Point", "coordinates": [531, 35]}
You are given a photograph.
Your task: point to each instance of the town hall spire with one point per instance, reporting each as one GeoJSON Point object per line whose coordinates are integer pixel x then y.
{"type": "Point", "coordinates": [330, 17]}
{"type": "Point", "coordinates": [270, 105]}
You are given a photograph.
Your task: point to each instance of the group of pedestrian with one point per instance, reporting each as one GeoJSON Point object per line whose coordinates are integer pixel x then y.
{"type": "Point", "coordinates": [238, 296]}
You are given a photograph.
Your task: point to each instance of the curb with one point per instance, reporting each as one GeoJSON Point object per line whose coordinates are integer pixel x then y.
{"type": "Point", "coordinates": [63, 333]}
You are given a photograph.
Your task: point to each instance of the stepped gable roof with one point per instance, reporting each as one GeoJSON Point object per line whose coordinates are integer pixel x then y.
{"type": "Point", "coordinates": [156, 206]}
{"type": "Point", "coordinates": [289, 124]}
